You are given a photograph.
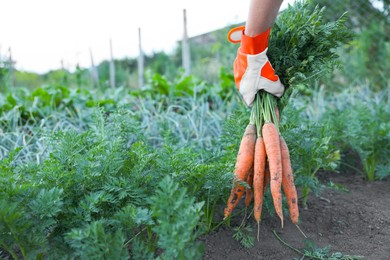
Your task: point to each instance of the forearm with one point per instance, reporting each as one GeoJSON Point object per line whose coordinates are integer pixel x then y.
{"type": "Point", "coordinates": [262, 14]}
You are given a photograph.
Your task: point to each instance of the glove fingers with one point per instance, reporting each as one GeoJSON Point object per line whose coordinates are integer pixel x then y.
{"type": "Point", "coordinates": [275, 88]}
{"type": "Point", "coordinates": [248, 94]}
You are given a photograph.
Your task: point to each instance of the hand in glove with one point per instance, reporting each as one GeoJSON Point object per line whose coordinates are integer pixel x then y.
{"type": "Point", "coordinates": [252, 69]}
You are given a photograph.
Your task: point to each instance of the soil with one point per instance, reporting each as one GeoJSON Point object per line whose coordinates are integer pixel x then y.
{"type": "Point", "coordinates": [353, 222]}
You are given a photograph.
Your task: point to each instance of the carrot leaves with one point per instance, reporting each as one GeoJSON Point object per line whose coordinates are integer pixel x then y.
{"type": "Point", "coordinates": [176, 217]}
{"type": "Point", "coordinates": [303, 46]}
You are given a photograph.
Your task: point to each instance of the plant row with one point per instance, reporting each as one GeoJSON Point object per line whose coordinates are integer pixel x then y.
{"type": "Point", "coordinates": [146, 179]}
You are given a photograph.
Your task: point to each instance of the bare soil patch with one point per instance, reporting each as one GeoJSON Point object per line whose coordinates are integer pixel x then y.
{"type": "Point", "coordinates": [356, 222]}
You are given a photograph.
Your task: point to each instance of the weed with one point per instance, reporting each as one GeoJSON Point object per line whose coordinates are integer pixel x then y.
{"type": "Point", "coordinates": [244, 235]}
{"type": "Point", "coordinates": [312, 251]}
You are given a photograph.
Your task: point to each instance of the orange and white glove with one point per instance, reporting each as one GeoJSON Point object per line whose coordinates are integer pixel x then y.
{"type": "Point", "coordinates": [252, 69]}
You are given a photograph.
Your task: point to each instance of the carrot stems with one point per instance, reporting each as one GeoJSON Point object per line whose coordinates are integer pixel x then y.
{"type": "Point", "coordinates": [289, 246]}
{"type": "Point", "coordinates": [258, 114]}
{"type": "Point", "coordinates": [300, 230]}
{"type": "Point", "coordinates": [252, 119]}
{"type": "Point", "coordinates": [136, 235]}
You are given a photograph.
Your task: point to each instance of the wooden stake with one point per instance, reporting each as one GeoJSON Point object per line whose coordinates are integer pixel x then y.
{"type": "Point", "coordinates": [94, 72]}
{"type": "Point", "coordinates": [140, 61]}
{"type": "Point", "coordinates": [65, 75]}
{"type": "Point", "coordinates": [185, 47]}
{"type": "Point", "coordinates": [11, 64]}
{"type": "Point", "coordinates": [112, 67]}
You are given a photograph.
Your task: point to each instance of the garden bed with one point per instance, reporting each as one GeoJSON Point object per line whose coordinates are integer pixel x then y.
{"type": "Point", "coordinates": [356, 222]}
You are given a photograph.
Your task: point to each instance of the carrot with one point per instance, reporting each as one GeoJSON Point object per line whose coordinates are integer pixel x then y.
{"type": "Point", "coordinates": [243, 165]}
{"type": "Point", "coordinates": [258, 179]}
{"type": "Point", "coordinates": [288, 182]}
{"type": "Point", "coordinates": [272, 147]}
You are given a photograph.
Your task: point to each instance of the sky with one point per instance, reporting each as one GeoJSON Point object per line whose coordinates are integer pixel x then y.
{"type": "Point", "coordinates": [42, 33]}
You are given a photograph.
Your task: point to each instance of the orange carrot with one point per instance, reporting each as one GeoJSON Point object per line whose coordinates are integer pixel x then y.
{"type": "Point", "coordinates": [288, 182]}
{"type": "Point", "coordinates": [272, 147]}
{"type": "Point", "coordinates": [243, 165]}
{"type": "Point", "coordinates": [258, 179]}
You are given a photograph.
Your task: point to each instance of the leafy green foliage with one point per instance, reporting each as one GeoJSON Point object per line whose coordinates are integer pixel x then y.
{"type": "Point", "coordinates": [357, 121]}
{"type": "Point", "coordinates": [141, 250]}
{"type": "Point", "coordinates": [86, 170]}
{"type": "Point", "coordinates": [304, 45]}
{"type": "Point", "coordinates": [176, 216]}
{"type": "Point", "coordinates": [41, 102]}
{"type": "Point", "coordinates": [102, 177]}
{"type": "Point", "coordinates": [365, 129]}
{"type": "Point", "coordinates": [161, 88]}
{"type": "Point", "coordinates": [362, 12]}
{"type": "Point", "coordinates": [311, 148]}
{"type": "Point", "coordinates": [245, 236]}
{"type": "Point", "coordinates": [19, 219]}
{"type": "Point", "coordinates": [312, 251]}
{"type": "Point", "coordinates": [104, 171]}
{"type": "Point", "coordinates": [372, 136]}
{"type": "Point", "coordinates": [365, 57]}
{"type": "Point", "coordinates": [93, 242]}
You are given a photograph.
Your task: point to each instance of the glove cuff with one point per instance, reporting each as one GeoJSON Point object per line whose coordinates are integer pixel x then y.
{"type": "Point", "coordinates": [255, 45]}
{"type": "Point", "coordinates": [249, 45]}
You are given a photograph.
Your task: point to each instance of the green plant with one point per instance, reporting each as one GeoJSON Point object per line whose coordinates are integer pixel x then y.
{"type": "Point", "coordinates": [244, 235]}
{"type": "Point", "coordinates": [90, 171]}
{"type": "Point", "coordinates": [176, 218]}
{"type": "Point", "coordinates": [93, 242]}
{"type": "Point", "coordinates": [311, 148]}
{"type": "Point", "coordinates": [312, 251]}
{"type": "Point", "coordinates": [304, 45]}
{"type": "Point", "coordinates": [24, 224]}
{"type": "Point", "coordinates": [103, 171]}
{"type": "Point", "coordinates": [358, 125]}
{"type": "Point", "coordinates": [365, 57]}
{"type": "Point", "coordinates": [369, 135]}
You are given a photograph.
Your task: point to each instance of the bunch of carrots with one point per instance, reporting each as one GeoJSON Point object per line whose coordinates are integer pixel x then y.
{"type": "Point", "coordinates": [263, 158]}
{"type": "Point", "coordinates": [300, 56]}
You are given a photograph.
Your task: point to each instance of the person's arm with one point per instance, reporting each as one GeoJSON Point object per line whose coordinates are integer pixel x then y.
{"type": "Point", "coordinates": [262, 15]}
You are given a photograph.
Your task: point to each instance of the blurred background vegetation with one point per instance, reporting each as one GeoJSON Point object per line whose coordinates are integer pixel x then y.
{"type": "Point", "coordinates": [366, 58]}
